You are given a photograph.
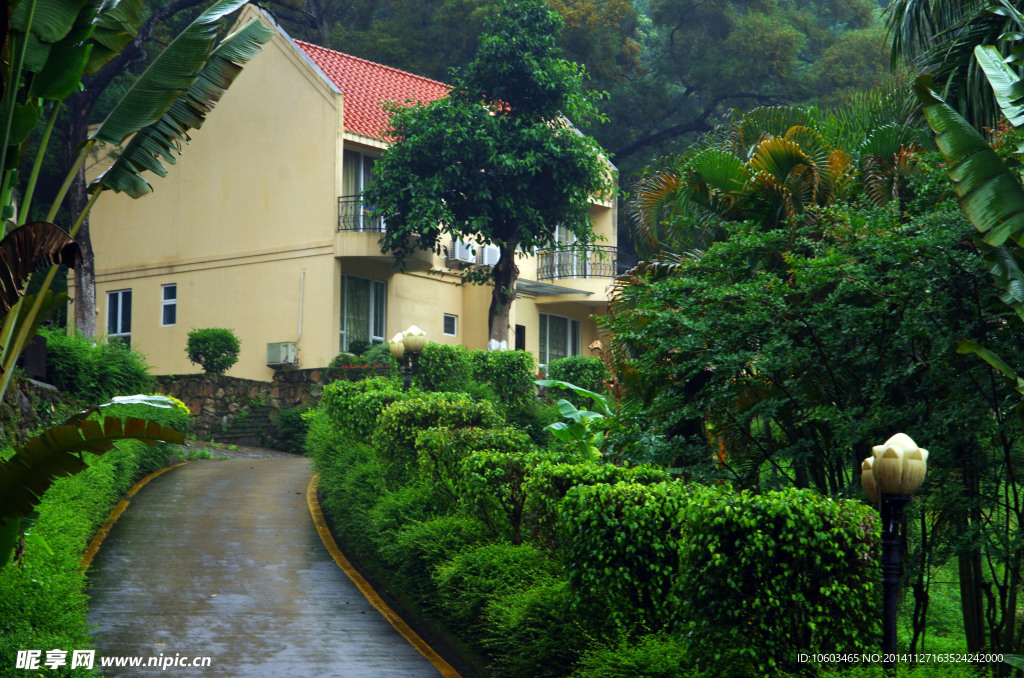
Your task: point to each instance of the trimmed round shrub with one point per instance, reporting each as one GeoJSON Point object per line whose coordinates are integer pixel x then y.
{"type": "Point", "coordinates": [355, 406]}
{"type": "Point", "coordinates": [400, 423]}
{"type": "Point", "coordinates": [215, 349]}
{"type": "Point", "coordinates": [443, 367]}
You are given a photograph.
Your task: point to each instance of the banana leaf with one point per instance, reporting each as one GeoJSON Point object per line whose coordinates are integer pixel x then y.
{"type": "Point", "coordinates": [170, 75]}
{"type": "Point", "coordinates": [164, 137]}
{"type": "Point", "coordinates": [58, 452]}
{"type": "Point", "coordinates": [28, 249]}
{"type": "Point", "coordinates": [989, 192]}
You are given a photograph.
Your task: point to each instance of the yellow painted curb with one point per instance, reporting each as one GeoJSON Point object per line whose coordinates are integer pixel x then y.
{"type": "Point", "coordinates": [332, 547]}
{"type": "Point", "coordinates": [101, 533]}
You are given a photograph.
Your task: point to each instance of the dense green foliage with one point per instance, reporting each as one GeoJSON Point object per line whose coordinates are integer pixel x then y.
{"type": "Point", "coordinates": [516, 550]}
{"type": "Point", "coordinates": [292, 428]}
{"type": "Point", "coordinates": [90, 372]}
{"type": "Point", "coordinates": [588, 373]}
{"type": "Point", "coordinates": [214, 349]}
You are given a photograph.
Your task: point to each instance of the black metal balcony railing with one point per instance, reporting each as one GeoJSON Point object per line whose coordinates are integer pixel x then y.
{"type": "Point", "coordinates": [353, 215]}
{"type": "Point", "coordinates": [592, 261]}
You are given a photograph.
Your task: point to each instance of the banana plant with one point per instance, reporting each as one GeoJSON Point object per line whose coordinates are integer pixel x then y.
{"type": "Point", "coordinates": [583, 429]}
{"type": "Point", "coordinates": [990, 194]}
{"type": "Point", "coordinates": [58, 451]}
{"type": "Point", "coordinates": [48, 46]}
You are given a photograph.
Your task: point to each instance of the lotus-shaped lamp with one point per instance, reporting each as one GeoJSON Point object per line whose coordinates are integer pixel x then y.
{"type": "Point", "coordinates": [897, 466]}
{"type": "Point", "coordinates": [397, 346]}
{"type": "Point", "coordinates": [415, 339]}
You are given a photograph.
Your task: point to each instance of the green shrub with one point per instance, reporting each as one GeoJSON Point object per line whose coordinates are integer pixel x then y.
{"type": "Point", "coordinates": [351, 479]}
{"type": "Point", "coordinates": [533, 633]}
{"type": "Point", "coordinates": [380, 354]}
{"type": "Point", "coordinates": [533, 418]}
{"type": "Point", "coordinates": [214, 349]}
{"type": "Point", "coordinates": [292, 428]}
{"type": "Point", "coordinates": [396, 509]}
{"type": "Point", "coordinates": [773, 574]}
{"type": "Point", "coordinates": [621, 547]}
{"type": "Point", "coordinates": [649, 656]}
{"type": "Point", "coordinates": [549, 482]}
{"type": "Point", "coordinates": [441, 451]}
{"type": "Point", "coordinates": [360, 346]}
{"type": "Point", "coordinates": [344, 359]}
{"type": "Point", "coordinates": [510, 373]}
{"type": "Point", "coordinates": [585, 372]}
{"type": "Point", "coordinates": [493, 485]}
{"type": "Point", "coordinates": [400, 423]}
{"type": "Point", "coordinates": [42, 602]}
{"type": "Point", "coordinates": [177, 417]}
{"type": "Point", "coordinates": [90, 372]}
{"type": "Point", "coordinates": [757, 578]}
{"type": "Point", "coordinates": [355, 406]}
{"type": "Point", "coordinates": [443, 367]}
{"type": "Point", "coordinates": [471, 580]}
{"type": "Point", "coordinates": [420, 546]}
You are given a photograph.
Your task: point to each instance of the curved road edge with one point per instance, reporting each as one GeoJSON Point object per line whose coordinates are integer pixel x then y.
{"type": "Point", "coordinates": [366, 589]}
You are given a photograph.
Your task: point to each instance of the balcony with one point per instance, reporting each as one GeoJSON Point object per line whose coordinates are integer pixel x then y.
{"type": "Point", "coordinates": [593, 261]}
{"type": "Point", "coordinates": [359, 233]}
{"type": "Point", "coordinates": [353, 215]}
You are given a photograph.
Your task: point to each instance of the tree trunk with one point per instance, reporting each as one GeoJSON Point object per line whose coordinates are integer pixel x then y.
{"type": "Point", "coordinates": [503, 277]}
{"type": "Point", "coordinates": [84, 302]}
{"type": "Point", "coordinates": [972, 578]}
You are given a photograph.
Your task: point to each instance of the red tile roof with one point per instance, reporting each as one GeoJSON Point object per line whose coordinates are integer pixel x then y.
{"type": "Point", "coordinates": [366, 85]}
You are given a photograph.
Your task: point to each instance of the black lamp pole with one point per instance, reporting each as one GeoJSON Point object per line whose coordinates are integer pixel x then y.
{"type": "Point", "coordinates": [892, 518]}
{"type": "Point", "coordinates": [408, 366]}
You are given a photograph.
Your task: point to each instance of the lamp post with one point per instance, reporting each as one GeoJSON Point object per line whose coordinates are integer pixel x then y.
{"type": "Point", "coordinates": [406, 348]}
{"type": "Point", "coordinates": [892, 473]}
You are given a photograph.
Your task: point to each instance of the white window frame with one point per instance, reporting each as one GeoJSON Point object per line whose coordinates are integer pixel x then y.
{"type": "Point", "coordinates": [122, 333]}
{"type": "Point", "coordinates": [166, 303]}
{"type": "Point", "coordinates": [375, 313]}
{"type": "Point", "coordinates": [455, 324]}
{"type": "Point", "coordinates": [572, 338]}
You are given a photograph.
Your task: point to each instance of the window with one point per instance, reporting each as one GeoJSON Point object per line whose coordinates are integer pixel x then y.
{"type": "Point", "coordinates": [119, 315]}
{"type": "Point", "coordinates": [363, 310]}
{"type": "Point", "coordinates": [168, 305]}
{"type": "Point", "coordinates": [451, 325]}
{"type": "Point", "coordinates": [356, 175]}
{"type": "Point", "coordinates": [559, 338]}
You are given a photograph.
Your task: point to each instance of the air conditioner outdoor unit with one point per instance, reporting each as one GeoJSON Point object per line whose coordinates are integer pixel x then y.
{"type": "Point", "coordinates": [490, 255]}
{"type": "Point", "coordinates": [463, 252]}
{"type": "Point", "coordinates": [282, 353]}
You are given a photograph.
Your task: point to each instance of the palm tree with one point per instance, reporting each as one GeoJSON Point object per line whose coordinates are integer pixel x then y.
{"type": "Point", "coordinates": [772, 164]}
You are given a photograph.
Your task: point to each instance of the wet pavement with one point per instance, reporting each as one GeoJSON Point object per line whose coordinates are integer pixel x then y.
{"type": "Point", "coordinates": [221, 559]}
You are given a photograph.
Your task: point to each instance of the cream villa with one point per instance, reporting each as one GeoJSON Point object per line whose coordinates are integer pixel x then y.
{"type": "Point", "coordinates": [259, 228]}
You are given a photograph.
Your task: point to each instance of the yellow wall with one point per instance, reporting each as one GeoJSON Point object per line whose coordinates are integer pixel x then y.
{"type": "Point", "coordinates": [250, 205]}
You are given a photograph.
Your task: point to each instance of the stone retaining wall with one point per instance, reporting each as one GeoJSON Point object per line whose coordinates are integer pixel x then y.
{"type": "Point", "coordinates": [244, 411]}
{"type": "Point", "coordinates": [29, 406]}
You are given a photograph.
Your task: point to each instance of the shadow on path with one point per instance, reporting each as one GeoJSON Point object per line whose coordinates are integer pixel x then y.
{"type": "Point", "coordinates": [221, 559]}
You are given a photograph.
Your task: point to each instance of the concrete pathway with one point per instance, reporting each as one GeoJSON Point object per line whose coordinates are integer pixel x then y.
{"type": "Point", "coordinates": [221, 559]}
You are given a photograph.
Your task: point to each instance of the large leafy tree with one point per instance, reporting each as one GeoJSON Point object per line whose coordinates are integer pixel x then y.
{"type": "Point", "coordinates": [498, 160]}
